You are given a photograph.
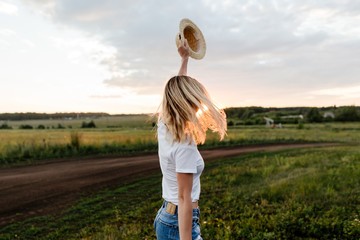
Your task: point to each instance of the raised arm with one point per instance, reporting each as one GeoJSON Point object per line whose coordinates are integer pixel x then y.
{"type": "Point", "coordinates": [184, 54]}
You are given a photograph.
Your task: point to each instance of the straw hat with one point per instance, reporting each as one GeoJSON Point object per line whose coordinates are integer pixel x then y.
{"type": "Point", "coordinates": [188, 30]}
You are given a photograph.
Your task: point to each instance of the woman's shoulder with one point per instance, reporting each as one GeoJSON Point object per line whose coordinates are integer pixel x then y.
{"type": "Point", "coordinates": [160, 123]}
{"type": "Point", "coordinates": [161, 127]}
{"type": "Point", "coordinates": [164, 134]}
{"type": "Point", "coordinates": [188, 142]}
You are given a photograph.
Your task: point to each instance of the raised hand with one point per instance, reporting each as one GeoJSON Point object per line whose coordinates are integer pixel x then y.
{"type": "Point", "coordinates": [184, 49]}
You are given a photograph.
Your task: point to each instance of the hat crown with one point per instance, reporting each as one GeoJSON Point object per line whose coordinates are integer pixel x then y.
{"type": "Point", "coordinates": [194, 37]}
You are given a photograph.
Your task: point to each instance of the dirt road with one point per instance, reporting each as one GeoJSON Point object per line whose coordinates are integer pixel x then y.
{"type": "Point", "coordinates": [50, 187]}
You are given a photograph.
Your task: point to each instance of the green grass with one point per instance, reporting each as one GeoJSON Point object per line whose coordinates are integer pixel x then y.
{"type": "Point", "coordinates": [26, 147]}
{"type": "Point", "coordinates": [120, 135]}
{"type": "Point", "coordinates": [311, 194]}
{"type": "Point", "coordinates": [294, 194]}
{"type": "Point", "coordinates": [29, 146]}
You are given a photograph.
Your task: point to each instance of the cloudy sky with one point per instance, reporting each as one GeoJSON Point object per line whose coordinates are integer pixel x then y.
{"type": "Point", "coordinates": [116, 55]}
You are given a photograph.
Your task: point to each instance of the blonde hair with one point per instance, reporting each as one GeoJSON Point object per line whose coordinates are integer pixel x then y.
{"type": "Point", "coordinates": [188, 111]}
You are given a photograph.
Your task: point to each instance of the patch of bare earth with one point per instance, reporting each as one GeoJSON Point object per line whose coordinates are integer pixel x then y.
{"type": "Point", "coordinates": [50, 187]}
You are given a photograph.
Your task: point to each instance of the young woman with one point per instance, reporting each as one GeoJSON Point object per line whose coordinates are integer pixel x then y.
{"type": "Point", "coordinates": [187, 112]}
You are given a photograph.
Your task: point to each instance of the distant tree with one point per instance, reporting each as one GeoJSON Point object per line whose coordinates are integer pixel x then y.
{"type": "Point", "coordinates": [60, 126]}
{"type": "Point", "coordinates": [35, 116]}
{"type": "Point", "coordinates": [348, 114]}
{"type": "Point", "coordinates": [90, 124]}
{"type": "Point", "coordinates": [314, 115]}
{"type": "Point", "coordinates": [230, 123]}
{"type": "Point", "coordinates": [247, 114]}
{"type": "Point", "coordinates": [25, 126]}
{"type": "Point", "coordinates": [300, 124]}
{"type": "Point", "coordinates": [234, 112]}
{"type": "Point", "coordinates": [249, 122]}
{"type": "Point", "coordinates": [40, 126]}
{"type": "Point", "coordinates": [5, 126]}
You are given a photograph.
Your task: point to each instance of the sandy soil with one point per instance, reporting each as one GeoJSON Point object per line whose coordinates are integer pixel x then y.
{"type": "Point", "coordinates": [50, 187]}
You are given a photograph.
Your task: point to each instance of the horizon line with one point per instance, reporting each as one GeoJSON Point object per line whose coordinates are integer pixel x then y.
{"type": "Point", "coordinates": [67, 112]}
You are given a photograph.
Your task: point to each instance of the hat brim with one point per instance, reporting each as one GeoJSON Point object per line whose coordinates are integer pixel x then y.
{"type": "Point", "coordinates": [197, 45]}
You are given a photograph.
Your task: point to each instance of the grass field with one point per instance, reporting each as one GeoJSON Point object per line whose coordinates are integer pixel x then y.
{"type": "Point", "coordinates": [124, 135]}
{"type": "Point", "coordinates": [112, 135]}
{"type": "Point", "coordinates": [293, 194]}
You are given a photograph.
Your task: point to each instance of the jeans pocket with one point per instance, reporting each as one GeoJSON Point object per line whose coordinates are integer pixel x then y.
{"type": "Point", "coordinates": [166, 226]}
{"type": "Point", "coordinates": [169, 220]}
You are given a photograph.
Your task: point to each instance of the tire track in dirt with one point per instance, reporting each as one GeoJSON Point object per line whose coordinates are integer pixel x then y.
{"type": "Point", "coordinates": [50, 187]}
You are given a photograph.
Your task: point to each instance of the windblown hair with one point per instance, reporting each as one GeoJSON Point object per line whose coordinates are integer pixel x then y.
{"type": "Point", "coordinates": [188, 111]}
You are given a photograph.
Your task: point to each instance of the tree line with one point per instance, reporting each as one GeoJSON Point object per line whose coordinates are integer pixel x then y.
{"type": "Point", "coordinates": [256, 115]}
{"type": "Point", "coordinates": [44, 116]}
{"type": "Point", "coordinates": [253, 114]}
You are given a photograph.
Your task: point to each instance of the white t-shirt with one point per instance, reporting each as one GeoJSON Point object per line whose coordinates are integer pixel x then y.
{"type": "Point", "coordinates": [175, 158]}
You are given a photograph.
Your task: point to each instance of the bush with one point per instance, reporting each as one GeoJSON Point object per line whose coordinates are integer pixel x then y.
{"type": "Point", "coordinates": [230, 123]}
{"type": "Point", "coordinates": [348, 114]}
{"type": "Point", "coordinates": [314, 115]}
{"type": "Point", "coordinates": [249, 122]}
{"type": "Point", "coordinates": [41, 126]}
{"type": "Point", "coordinates": [300, 125]}
{"type": "Point", "coordinates": [25, 126]}
{"type": "Point", "coordinates": [90, 124]}
{"type": "Point", "coordinates": [5, 126]}
{"type": "Point", "coordinates": [75, 139]}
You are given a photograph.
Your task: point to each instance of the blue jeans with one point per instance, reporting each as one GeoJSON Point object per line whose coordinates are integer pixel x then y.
{"type": "Point", "coordinates": [167, 227]}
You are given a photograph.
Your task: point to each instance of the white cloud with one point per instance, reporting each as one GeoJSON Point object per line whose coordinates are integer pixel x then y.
{"type": "Point", "coordinates": [7, 32]}
{"type": "Point", "coordinates": [268, 61]}
{"type": "Point", "coordinates": [129, 78]}
{"type": "Point", "coordinates": [341, 27]}
{"type": "Point", "coordinates": [89, 48]}
{"type": "Point", "coordinates": [45, 8]}
{"type": "Point", "coordinates": [94, 15]}
{"type": "Point", "coordinates": [4, 43]}
{"type": "Point", "coordinates": [8, 8]}
{"type": "Point", "coordinates": [28, 43]}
